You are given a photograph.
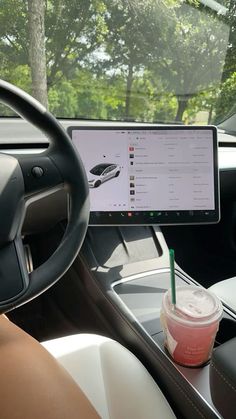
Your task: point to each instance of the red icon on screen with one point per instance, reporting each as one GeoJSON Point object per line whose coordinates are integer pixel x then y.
{"type": "Point", "coordinates": [129, 214]}
{"type": "Point", "coordinates": [131, 148]}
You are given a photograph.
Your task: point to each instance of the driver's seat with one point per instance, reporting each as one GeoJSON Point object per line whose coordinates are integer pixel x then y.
{"type": "Point", "coordinates": [113, 379]}
{"type": "Point", "coordinates": [105, 380]}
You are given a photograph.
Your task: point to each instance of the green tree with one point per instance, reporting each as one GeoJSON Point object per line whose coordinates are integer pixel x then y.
{"type": "Point", "coordinates": [192, 61]}
{"type": "Point", "coordinates": [73, 31]}
{"type": "Point", "coordinates": [18, 75]}
{"type": "Point", "coordinates": [133, 59]}
{"type": "Point", "coordinates": [13, 33]}
{"type": "Point", "coordinates": [230, 59]}
{"type": "Point", "coordinates": [181, 43]}
{"type": "Point", "coordinates": [132, 36]}
{"type": "Point", "coordinates": [226, 105]}
{"type": "Point", "coordinates": [226, 102]}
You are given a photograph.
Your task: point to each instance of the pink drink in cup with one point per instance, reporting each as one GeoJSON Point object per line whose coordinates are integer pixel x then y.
{"type": "Point", "coordinates": [191, 325]}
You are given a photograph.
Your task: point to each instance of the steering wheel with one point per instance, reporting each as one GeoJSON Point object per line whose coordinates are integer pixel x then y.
{"type": "Point", "coordinates": [24, 178]}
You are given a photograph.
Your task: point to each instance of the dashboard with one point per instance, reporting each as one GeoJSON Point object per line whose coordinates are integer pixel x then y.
{"type": "Point", "coordinates": [17, 136]}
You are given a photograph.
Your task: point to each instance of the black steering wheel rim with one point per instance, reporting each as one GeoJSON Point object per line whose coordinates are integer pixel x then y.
{"type": "Point", "coordinates": [62, 159]}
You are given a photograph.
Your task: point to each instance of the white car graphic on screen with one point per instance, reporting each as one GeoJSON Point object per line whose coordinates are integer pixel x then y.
{"type": "Point", "coordinates": [101, 173]}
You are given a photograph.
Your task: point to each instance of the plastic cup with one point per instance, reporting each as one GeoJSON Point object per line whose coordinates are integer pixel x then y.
{"type": "Point", "coordinates": [191, 325]}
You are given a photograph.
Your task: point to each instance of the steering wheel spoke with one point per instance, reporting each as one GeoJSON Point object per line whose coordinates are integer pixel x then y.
{"type": "Point", "coordinates": [40, 174]}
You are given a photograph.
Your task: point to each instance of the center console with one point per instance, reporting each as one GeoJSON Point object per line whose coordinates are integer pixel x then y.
{"type": "Point", "coordinates": [142, 295]}
{"type": "Point", "coordinates": [126, 271]}
{"type": "Point", "coordinates": [139, 176]}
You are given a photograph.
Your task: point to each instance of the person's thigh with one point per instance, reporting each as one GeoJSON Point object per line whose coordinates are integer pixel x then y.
{"type": "Point", "coordinates": [33, 384]}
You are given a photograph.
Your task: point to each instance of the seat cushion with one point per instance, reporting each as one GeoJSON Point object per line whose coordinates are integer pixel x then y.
{"type": "Point", "coordinates": [113, 379]}
{"type": "Point", "coordinates": [226, 291]}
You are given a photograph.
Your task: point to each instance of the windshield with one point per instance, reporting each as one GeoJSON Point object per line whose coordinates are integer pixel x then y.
{"type": "Point", "coordinates": [170, 61]}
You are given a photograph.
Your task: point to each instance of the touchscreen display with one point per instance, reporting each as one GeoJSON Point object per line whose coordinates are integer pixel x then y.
{"type": "Point", "coordinates": [150, 175]}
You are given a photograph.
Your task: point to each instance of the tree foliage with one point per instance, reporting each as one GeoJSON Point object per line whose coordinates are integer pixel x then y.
{"type": "Point", "coordinates": [226, 102]}
{"type": "Point", "coordinates": [127, 59]}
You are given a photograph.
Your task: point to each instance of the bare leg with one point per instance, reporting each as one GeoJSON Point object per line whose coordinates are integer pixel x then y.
{"type": "Point", "coordinates": [32, 383]}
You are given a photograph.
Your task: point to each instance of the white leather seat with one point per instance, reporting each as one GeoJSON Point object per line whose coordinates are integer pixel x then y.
{"type": "Point", "coordinates": [226, 291]}
{"type": "Point", "coordinates": [113, 379]}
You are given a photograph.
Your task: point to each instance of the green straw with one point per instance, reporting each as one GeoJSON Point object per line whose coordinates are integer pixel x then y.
{"type": "Point", "coordinates": [172, 276]}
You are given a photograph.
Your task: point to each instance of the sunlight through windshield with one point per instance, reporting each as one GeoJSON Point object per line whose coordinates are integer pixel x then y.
{"type": "Point", "coordinates": [170, 61]}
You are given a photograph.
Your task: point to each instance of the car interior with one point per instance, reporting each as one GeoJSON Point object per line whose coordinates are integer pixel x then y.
{"type": "Point", "coordinates": [85, 265]}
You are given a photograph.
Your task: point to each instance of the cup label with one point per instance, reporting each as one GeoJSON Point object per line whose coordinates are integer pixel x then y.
{"type": "Point", "coordinates": [171, 342]}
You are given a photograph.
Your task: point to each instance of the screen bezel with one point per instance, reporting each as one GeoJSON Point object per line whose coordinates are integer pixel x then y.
{"type": "Point", "coordinates": [101, 218]}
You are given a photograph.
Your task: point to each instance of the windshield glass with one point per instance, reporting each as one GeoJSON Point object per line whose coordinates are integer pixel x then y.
{"type": "Point", "coordinates": [170, 61]}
